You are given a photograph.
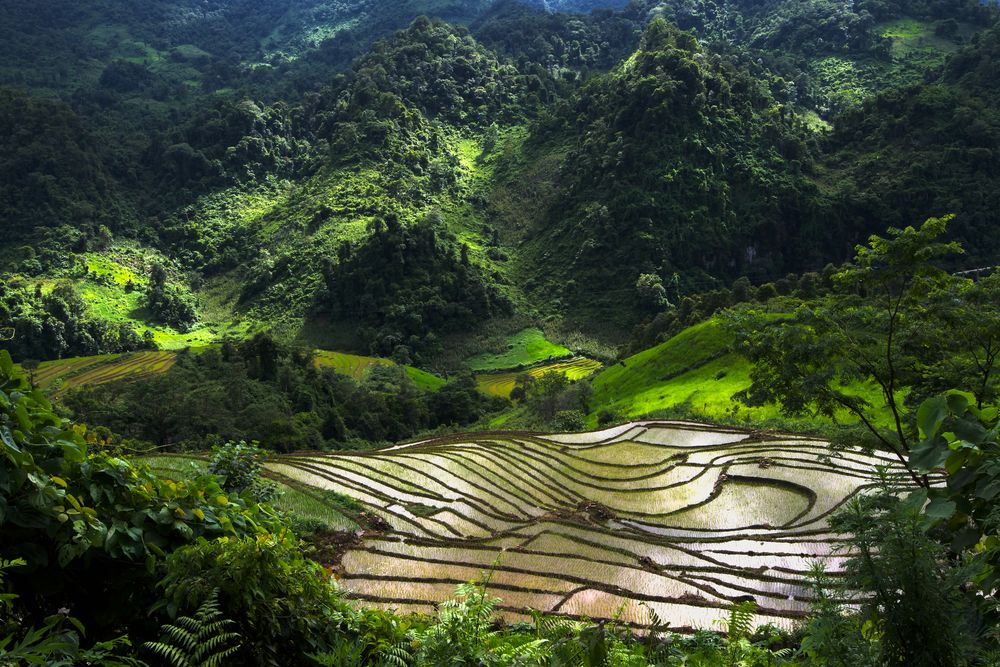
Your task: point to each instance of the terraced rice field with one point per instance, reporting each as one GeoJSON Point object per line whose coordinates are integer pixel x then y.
{"type": "Point", "coordinates": [348, 364]}
{"type": "Point", "coordinates": [682, 517]}
{"type": "Point", "coordinates": [501, 384]}
{"type": "Point", "coordinates": [80, 371]}
{"type": "Point", "coordinates": [66, 374]}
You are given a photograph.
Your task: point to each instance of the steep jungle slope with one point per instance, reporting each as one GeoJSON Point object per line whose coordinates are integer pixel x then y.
{"type": "Point", "coordinates": [676, 162]}
{"type": "Point", "coordinates": [931, 149]}
{"type": "Point", "coordinates": [52, 170]}
{"type": "Point", "coordinates": [833, 54]}
{"type": "Point", "coordinates": [514, 176]}
{"type": "Point", "coordinates": [386, 155]}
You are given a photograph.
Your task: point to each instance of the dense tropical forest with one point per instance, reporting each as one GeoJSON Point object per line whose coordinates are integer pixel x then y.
{"type": "Point", "coordinates": [426, 333]}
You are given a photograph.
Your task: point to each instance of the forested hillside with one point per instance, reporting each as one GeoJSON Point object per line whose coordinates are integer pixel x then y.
{"type": "Point", "coordinates": [563, 156]}
{"type": "Point", "coordinates": [307, 306]}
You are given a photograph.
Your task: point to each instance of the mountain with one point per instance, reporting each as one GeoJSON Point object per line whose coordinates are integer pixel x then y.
{"type": "Point", "coordinates": [214, 170]}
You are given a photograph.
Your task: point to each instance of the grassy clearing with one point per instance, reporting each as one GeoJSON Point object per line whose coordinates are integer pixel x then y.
{"type": "Point", "coordinates": [113, 287]}
{"type": "Point", "coordinates": [524, 348]}
{"type": "Point", "coordinates": [696, 371]}
{"type": "Point", "coordinates": [352, 365]}
{"type": "Point", "coordinates": [355, 366]}
{"type": "Point", "coordinates": [108, 267]}
{"type": "Point", "coordinates": [501, 384]}
{"type": "Point", "coordinates": [425, 380]}
{"type": "Point", "coordinates": [914, 49]}
{"type": "Point", "coordinates": [917, 41]}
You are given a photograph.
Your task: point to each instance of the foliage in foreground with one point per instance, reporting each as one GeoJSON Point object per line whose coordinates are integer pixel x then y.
{"type": "Point", "coordinates": [895, 318]}
{"type": "Point", "coordinates": [202, 640]}
{"type": "Point", "coordinates": [136, 559]}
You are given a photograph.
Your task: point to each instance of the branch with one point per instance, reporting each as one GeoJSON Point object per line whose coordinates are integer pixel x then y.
{"type": "Point", "coordinates": [885, 441]}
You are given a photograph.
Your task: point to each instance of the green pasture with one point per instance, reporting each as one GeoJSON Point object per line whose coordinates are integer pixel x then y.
{"type": "Point", "coordinates": [695, 370]}
{"type": "Point", "coordinates": [524, 348]}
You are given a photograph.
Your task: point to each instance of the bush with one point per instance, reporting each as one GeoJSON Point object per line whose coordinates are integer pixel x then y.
{"type": "Point", "coordinates": [282, 602]}
{"type": "Point", "coordinates": [608, 416]}
{"type": "Point", "coordinates": [240, 464]}
{"type": "Point", "coordinates": [569, 420]}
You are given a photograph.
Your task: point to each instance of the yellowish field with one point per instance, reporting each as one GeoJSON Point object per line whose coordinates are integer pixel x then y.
{"type": "Point", "coordinates": [66, 374]}
{"type": "Point", "coordinates": [501, 384]}
{"type": "Point", "coordinates": [355, 366]}
{"type": "Point", "coordinates": [352, 365]}
{"type": "Point", "coordinates": [682, 517]}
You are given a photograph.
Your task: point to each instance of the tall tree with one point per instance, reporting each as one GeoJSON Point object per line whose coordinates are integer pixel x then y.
{"type": "Point", "coordinates": [878, 326]}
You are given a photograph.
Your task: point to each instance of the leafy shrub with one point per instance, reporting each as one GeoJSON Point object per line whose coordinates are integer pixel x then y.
{"type": "Point", "coordinates": [84, 519]}
{"type": "Point", "coordinates": [607, 416]}
{"type": "Point", "coordinates": [240, 465]}
{"type": "Point", "coordinates": [569, 420]}
{"type": "Point", "coordinates": [284, 604]}
{"type": "Point", "coordinates": [914, 601]}
{"type": "Point", "coordinates": [463, 634]}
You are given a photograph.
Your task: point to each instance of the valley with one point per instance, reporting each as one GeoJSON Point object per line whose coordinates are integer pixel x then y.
{"type": "Point", "coordinates": [499, 333]}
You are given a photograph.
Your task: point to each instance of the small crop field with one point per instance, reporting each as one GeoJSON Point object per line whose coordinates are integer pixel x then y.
{"type": "Point", "coordinates": [523, 349]}
{"type": "Point", "coordinates": [352, 365]}
{"type": "Point", "coordinates": [682, 517]}
{"type": "Point", "coordinates": [501, 384]}
{"type": "Point", "coordinates": [356, 366]}
{"type": "Point", "coordinates": [66, 374]}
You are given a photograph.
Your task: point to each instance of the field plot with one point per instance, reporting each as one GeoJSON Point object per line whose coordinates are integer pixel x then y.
{"type": "Point", "coordinates": [682, 517]}
{"type": "Point", "coordinates": [66, 374]}
{"type": "Point", "coordinates": [355, 366]}
{"type": "Point", "coordinates": [523, 349]}
{"type": "Point", "coordinates": [348, 364]}
{"type": "Point", "coordinates": [501, 384]}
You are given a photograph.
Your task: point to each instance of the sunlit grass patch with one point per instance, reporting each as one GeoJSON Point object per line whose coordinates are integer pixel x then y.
{"type": "Point", "coordinates": [526, 347]}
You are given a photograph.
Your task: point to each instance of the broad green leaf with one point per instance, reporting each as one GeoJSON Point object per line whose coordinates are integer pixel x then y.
{"type": "Point", "coordinates": [940, 508]}
{"type": "Point", "coordinates": [988, 489]}
{"type": "Point", "coordinates": [929, 455]}
{"type": "Point", "coordinates": [8, 439]}
{"type": "Point", "coordinates": [970, 431]}
{"type": "Point", "coordinates": [915, 501]}
{"type": "Point", "coordinates": [960, 401]}
{"type": "Point", "coordinates": [930, 415]}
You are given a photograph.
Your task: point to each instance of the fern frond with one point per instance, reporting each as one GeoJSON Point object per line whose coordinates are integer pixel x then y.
{"type": "Point", "coordinates": [396, 655]}
{"type": "Point", "coordinates": [199, 641]}
{"type": "Point", "coordinates": [741, 618]}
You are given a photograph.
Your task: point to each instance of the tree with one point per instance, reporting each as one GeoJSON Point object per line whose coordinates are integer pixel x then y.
{"type": "Point", "coordinates": [651, 292]}
{"type": "Point", "coordinates": [875, 328]}
{"type": "Point", "coordinates": [970, 309]}
{"type": "Point", "coordinates": [239, 464]}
